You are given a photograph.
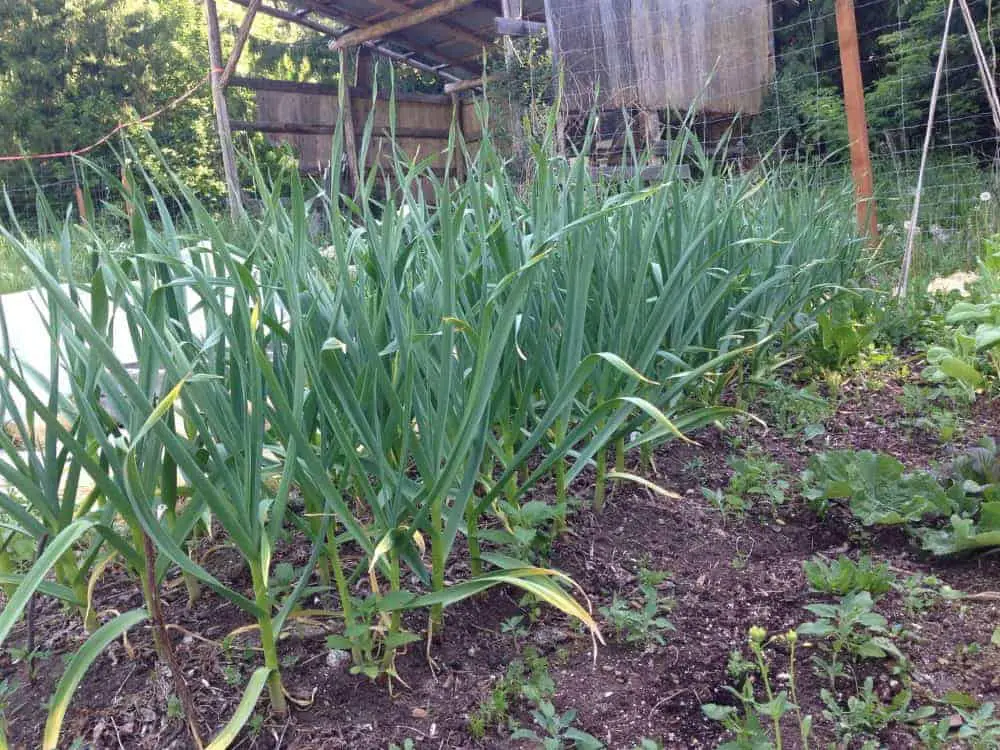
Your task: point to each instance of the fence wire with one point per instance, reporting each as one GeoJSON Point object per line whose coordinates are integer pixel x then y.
{"type": "Point", "coordinates": [766, 74]}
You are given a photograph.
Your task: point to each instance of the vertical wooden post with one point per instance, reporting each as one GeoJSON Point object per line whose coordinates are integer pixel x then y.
{"type": "Point", "coordinates": [857, 122]}
{"type": "Point", "coordinates": [81, 205]}
{"type": "Point", "coordinates": [347, 113]}
{"type": "Point", "coordinates": [649, 122]}
{"type": "Point", "coordinates": [222, 113]}
{"type": "Point", "coordinates": [129, 208]}
{"type": "Point", "coordinates": [458, 154]}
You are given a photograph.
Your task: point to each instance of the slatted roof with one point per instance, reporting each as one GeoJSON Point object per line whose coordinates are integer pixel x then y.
{"type": "Point", "coordinates": [449, 44]}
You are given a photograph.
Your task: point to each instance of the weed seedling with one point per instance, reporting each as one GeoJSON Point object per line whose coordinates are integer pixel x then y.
{"type": "Point", "coordinates": [920, 593]}
{"type": "Point", "coordinates": [526, 680]}
{"type": "Point", "coordinates": [865, 714]}
{"type": "Point", "coordinates": [850, 628]}
{"type": "Point", "coordinates": [844, 576]}
{"type": "Point", "coordinates": [515, 627]}
{"type": "Point", "coordinates": [559, 730]}
{"type": "Point", "coordinates": [641, 623]}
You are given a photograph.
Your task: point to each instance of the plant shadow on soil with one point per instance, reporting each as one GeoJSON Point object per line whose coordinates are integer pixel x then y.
{"type": "Point", "coordinates": [726, 575]}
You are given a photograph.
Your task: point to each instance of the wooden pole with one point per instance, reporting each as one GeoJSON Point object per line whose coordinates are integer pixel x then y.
{"type": "Point", "coordinates": [241, 39]}
{"type": "Point", "coordinates": [350, 138]}
{"type": "Point", "coordinates": [911, 233]}
{"type": "Point", "coordinates": [222, 113]}
{"type": "Point", "coordinates": [399, 23]}
{"type": "Point", "coordinates": [473, 83]}
{"type": "Point", "coordinates": [458, 154]}
{"type": "Point", "coordinates": [81, 204]}
{"type": "Point", "coordinates": [127, 188]}
{"type": "Point", "coordinates": [857, 121]}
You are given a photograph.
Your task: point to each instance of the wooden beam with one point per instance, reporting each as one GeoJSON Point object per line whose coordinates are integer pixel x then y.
{"type": "Point", "coordinates": [459, 31]}
{"type": "Point", "coordinates": [472, 83]}
{"type": "Point", "coordinates": [222, 113]}
{"type": "Point", "coordinates": [310, 128]}
{"type": "Point", "coordinates": [328, 89]}
{"type": "Point", "coordinates": [857, 121]}
{"type": "Point", "coordinates": [519, 27]}
{"type": "Point", "coordinates": [285, 15]}
{"type": "Point", "coordinates": [241, 39]}
{"type": "Point", "coordinates": [308, 23]}
{"type": "Point", "coordinates": [362, 22]}
{"type": "Point", "coordinates": [399, 23]}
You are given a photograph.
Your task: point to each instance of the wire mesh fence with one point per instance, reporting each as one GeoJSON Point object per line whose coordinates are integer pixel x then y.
{"type": "Point", "coordinates": [766, 74]}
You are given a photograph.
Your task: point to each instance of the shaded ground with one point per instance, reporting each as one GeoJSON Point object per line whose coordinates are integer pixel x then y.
{"type": "Point", "coordinates": [725, 575]}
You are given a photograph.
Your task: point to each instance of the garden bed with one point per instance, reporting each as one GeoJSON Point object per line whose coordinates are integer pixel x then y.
{"type": "Point", "coordinates": [726, 573]}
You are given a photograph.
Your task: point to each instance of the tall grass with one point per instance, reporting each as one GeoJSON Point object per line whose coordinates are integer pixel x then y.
{"type": "Point", "coordinates": [410, 375]}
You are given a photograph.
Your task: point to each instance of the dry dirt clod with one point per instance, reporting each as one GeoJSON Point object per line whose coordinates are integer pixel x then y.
{"type": "Point", "coordinates": [338, 659]}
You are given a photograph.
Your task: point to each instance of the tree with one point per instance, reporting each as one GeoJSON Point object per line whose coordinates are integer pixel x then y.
{"type": "Point", "coordinates": [77, 68]}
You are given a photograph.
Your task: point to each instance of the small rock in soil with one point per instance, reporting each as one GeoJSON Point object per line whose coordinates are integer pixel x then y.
{"type": "Point", "coordinates": [338, 659]}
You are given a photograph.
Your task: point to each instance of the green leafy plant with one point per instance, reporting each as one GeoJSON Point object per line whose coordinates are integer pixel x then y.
{"type": "Point", "coordinates": [865, 714]}
{"type": "Point", "coordinates": [931, 410]}
{"type": "Point", "coordinates": [748, 725]}
{"type": "Point", "coordinates": [843, 331]}
{"type": "Point", "coordinates": [559, 730]}
{"type": "Point", "coordinates": [975, 523]}
{"type": "Point", "coordinates": [921, 592]}
{"type": "Point", "coordinates": [792, 409]}
{"type": "Point", "coordinates": [843, 576]}
{"type": "Point", "coordinates": [526, 679]}
{"type": "Point", "coordinates": [641, 622]}
{"type": "Point", "coordinates": [876, 488]}
{"type": "Point", "coordinates": [850, 629]}
{"type": "Point", "coordinates": [753, 477]}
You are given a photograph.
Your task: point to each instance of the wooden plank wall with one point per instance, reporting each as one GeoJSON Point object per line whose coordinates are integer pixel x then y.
{"type": "Point", "coordinates": [305, 116]}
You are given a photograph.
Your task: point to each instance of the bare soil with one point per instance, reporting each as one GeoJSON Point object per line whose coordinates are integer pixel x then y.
{"type": "Point", "coordinates": [726, 575]}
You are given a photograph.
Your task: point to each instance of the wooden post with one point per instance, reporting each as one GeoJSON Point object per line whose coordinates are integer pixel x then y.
{"type": "Point", "coordinates": [241, 39]}
{"type": "Point", "coordinates": [651, 127]}
{"type": "Point", "coordinates": [857, 122]}
{"type": "Point", "coordinates": [129, 208]}
{"type": "Point", "coordinates": [81, 205]}
{"type": "Point", "coordinates": [350, 138]}
{"type": "Point", "coordinates": [222, 113]}
{"type": "Point", "coordinates": [458, 154]}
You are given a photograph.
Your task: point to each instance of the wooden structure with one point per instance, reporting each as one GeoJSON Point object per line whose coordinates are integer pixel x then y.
{"type": "Point", "coordinates": [640, 55]}
{"type": "Point", "coordinates": [443, 37]}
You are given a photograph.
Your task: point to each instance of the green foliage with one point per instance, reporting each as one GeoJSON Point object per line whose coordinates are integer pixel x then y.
{"type": "Point", "coordinates": [844, 576]}
{"type": "Point", "coordinates": [526, 680]}
{"type": "Point", "coordinates": [975, 523]}
{"type": "Point", "coordinates": [792, 409]}
{"type": "Point", "coordinates": [805, 104]}
{"type": "Point", "coordinates": [76, 68]}
{"type": "Point", "coordinates": [849, 628]}
{"type": "Point", "coordinates": [844, 330]}
{"type": "Point", "coordinates": [392, 397]}
{"type": "Point", "coordinates": [559, 730]}
{"type": "Point", "coordinates": [641, 622]}
{"type": "Point", "coordinates": [754, 477]}
{"type": "Point", "coordinates": [876, 487]}
{"type": "Point", "coordinates": [866, 714]}
{"type": "Point", "coordinates": [932, 410]}
{"type": "Point", "coordinates": [747, 726]}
